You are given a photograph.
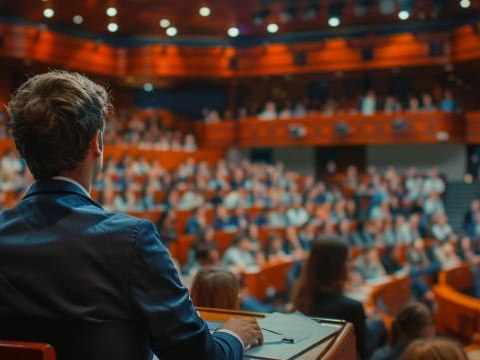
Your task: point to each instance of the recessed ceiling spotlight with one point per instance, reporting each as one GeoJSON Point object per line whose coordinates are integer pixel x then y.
{"type": "Point", "coordinates": [334, 21]}
{"type": "Point", "coordinates": [112, 27]}
{"type": "Point", "coordinates": [164, 23]}
{"type": "Point", "coordinates": [111, 11]}
{"type": "Point", "coordinates": [172, 31]}
{"type": "Point", "coordinates": [404, 15]}
{"type": "Point", "coordinates": [148, 87]}
{"type": "Point", "coordinates": [272, 28]}
{"type": "Point", "coordinates": [48, 13]}
{"type": "Point", "coordinates": [233, 31]}
{"type": "Point", "coordinates": [204, 11]}
{"type": "Point", "coordinates": [465, 4]}
{"type": "Point", "coordinates": [77, 19]}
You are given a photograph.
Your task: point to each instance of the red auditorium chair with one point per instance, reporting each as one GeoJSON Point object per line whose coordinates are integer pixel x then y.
{"type": "Point", "coordinates": [15, 350]}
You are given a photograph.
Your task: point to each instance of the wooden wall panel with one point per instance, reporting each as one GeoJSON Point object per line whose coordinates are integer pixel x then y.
{"type": "Point", "coordinates": [321, 131]}
{"type": "Point", "coordinates": [39, 44]}
{"type": "Point", "coordinates": [472, 131]}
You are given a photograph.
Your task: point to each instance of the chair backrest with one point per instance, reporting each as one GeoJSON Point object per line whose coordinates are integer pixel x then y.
{"type": "Point", "coordinates": [15, 350]}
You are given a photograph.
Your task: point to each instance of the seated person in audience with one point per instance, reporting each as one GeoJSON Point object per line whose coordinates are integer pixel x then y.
{"type": "Point", "coordinates": [307, 234]}
{"type": "Point", "coordinates": [300, 110]}
{"type": "Point", "coordinates": [368, 265]}
{"type": "Point", "coordinates": [389, 236]}
{"type": "Point", "coordinates": [413, 104]}
{"type": "Point", "coordinates": [274, 248]}
{"type": "Point", "coordinates": [415, 321]}
{"type": "Point", "coordinates": [467, 254]}
{"type": "Point", "coordinates": [196, 223]}
{"type": "Point", "coordinates": [214, 287]}
{"type": "Point", "coordinates": [269, 113]}
{"type": "Point", "coordinates": [240, 255]}
{"type": "Point", "coordinates": [239, 220]}
{"type": "Point", "coordinates": [212, 117]}
{"type": "Point", "coordinates": [190, 144]}
{"type": "Point", "coordinates": [445, 254]}
{"type": "Point", "coordinates": [427, 103]}
{"type": "Point", "coordinates": [434, 349]}
{"type": "Point", "coordinates": [277, 217]}
{"type": "Point", "coordinates": [448, 103]}
{"type": "Point", "coordinates": [392, 105]}
{"type": "Point", "coordinates": [389, 259]}
{"type": "Point", "coordinates": [346, 232]}
{"type": "Point", "coordinates": [471, 218]}
{"type": "Point", "coordinates": [420, 265]}
{"type": "Point", "coordinates": [221, 219]}
{"type": "Point", "coordinates": [204, 254]}
{"type": "Point", "coordinates": [262, 218]}
{"type": "Point", "coordinates": [286, 112]}
{"type": "Point", "coordinates": [433, 205]}
{"type": "Point", "coordinates": [433, 183]}
{"type": "Point", "coordinates": [297, 215]}
{"type": "Point", "coordinates": [319, 292]}
{"type": "Point", "coordinates": [167, 227]}
{"type": "Point", "coordinates": [441, 229]}
{"type": "Point", "coordinates": [368, 104]}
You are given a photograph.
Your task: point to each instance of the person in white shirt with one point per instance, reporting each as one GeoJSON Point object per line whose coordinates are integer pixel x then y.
{"type": "Point", "coordinates": [297, 215]}
{"type": "Point", "coordinates": [369, 104]}
{"type": "Point", "coordinates": [269, 113]}
{"type": "Point", "coordinates": [434, 183]}
{"type": "Point", "coordinates": [441, 229]}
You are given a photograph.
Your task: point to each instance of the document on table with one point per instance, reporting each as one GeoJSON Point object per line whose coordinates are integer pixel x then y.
{"type": "Point", "coordinates": [304, 331]}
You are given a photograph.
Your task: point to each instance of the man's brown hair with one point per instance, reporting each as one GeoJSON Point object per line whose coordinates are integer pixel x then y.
{"type": "Point", "coordinates": [54, 117]}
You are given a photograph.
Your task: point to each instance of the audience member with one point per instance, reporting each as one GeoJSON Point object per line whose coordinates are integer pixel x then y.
{"type": "Point", "coordinates": [215, 288]}
{"type": "Point", "coordinates": [414, 321]}
{"type": "Point", "coordinates": [434, 349]}
{"type": "Point", "coordinates": [319, 289]}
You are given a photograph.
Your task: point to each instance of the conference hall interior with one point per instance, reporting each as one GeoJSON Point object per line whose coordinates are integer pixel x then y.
{"type": "Point", "coordinates": [310, 161]}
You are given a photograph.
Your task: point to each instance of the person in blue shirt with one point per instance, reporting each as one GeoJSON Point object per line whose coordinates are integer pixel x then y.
{"type": "Point", "coordinates": [94, 284]}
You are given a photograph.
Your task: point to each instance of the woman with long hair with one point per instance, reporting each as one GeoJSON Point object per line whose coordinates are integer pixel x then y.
{"type": "Point", "coordinates": [319, 292]}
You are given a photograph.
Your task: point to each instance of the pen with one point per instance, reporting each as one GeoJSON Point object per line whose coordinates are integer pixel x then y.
{"type": "Point", "coordinates": [284, 339]}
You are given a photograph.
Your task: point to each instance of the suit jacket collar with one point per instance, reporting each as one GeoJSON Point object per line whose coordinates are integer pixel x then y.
{"type": "Point", "coordinates": [55, 186]}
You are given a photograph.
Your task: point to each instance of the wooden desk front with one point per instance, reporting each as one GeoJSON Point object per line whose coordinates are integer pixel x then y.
{"type": "Point", "coordinates": [339, 347]}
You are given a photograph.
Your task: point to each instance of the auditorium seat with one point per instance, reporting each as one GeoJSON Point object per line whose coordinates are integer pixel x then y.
{"type": "Point", "coordinates": [15, 350]}
{"type": "Point", "coordinates": [457, 314]}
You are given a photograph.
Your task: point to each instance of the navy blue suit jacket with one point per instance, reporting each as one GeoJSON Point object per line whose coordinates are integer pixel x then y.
{"type": "Point", "coordinates": [95, 284]}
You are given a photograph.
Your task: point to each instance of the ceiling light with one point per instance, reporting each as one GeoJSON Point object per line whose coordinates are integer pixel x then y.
{"type": "Point", "coordinates": [335, 14]}
{"type": "Point", "coordinates": [48, 13]}
{"type": "Point", "coordinates": [148, 87]}
{"type": "Point", "coordinates": [111, 11]}
{"type": "Point", "coordinates": [112, 27]}
{"type": "Point", "coordinates": [77, 19]}
{"type": "Point", "coordinates": [204, 11]}
{"type": "Point", "coordinates": [465, 4]}
{"type": "Point", "coordinates": [172, 31]}
{"type": "Point", "coordinates": [403, 15]}
{"type": "Point", "coordinates": [334, 21]}
{"type": "Point", "coordinates": [164, 23]}
{"type": "Point", "coordinates": [272, 28]}
{"type": "Point", "coordinates": [233, 32]}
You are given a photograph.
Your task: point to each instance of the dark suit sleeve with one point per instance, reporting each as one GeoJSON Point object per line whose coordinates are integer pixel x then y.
{"type": "Point", "coordinates": [161, 301]}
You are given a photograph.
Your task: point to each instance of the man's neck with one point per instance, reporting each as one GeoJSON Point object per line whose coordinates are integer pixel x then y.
{"type": "Point", "coordinates": [78, 177]}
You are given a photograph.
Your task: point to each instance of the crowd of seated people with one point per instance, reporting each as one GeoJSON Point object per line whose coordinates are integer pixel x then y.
{"type": "Point", "coordinates": [368, 104]}
{"type": "Point", "coordinates": [139, 132]}
{"type": "Point", "coordinates": [387, 209]}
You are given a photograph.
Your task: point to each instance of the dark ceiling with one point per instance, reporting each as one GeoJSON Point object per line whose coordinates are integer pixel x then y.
{"type": "Point", "coordinates": [140, 18]}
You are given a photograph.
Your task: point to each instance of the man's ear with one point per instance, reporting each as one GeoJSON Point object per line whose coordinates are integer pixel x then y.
{"type": "Point", "coordinates": [96, 145]}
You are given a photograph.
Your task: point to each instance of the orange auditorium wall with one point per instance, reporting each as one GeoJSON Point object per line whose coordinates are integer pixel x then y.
{"type": "Point", "coordinates": [167, 60]}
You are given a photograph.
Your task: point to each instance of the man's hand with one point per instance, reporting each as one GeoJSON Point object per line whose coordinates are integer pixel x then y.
{"type": "Point", "coordinates": [247, 329]}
